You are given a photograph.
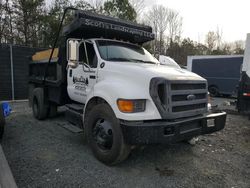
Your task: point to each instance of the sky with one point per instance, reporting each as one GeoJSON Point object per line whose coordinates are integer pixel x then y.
{"type": "Point", "coordinates": [201, 16]}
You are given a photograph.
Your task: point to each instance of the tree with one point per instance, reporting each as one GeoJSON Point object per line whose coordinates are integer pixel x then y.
{"type": "Point", "coordinates": [219, 33]}
{"type": "Point", "coordinates": [151, 18]}
{"type": "Point", "coordinates": [52, 20]}
{"type": "Point", "coordinates": [121, 9]}
{"type": "Point", "coordinates": [82, 4]}
{"type": "Point", "coordinates": [97, 5]}
{"type": "Point", "coordinates": [239, 47]}
{"type": "Point", "coordinates": [162, 22]}
{"type": "Point", "coordinates": [174, 25]}
{"type": "Point", "coordinates": [165, 22]}
{"type": "Point", "coordinates": [157, 18]}
{"type": "Point", "coordinates": [180, 51]}
{"type": "Point", "coordinates": [27, 16]}
{"type": "Point", "coordinates": [211, 40]}
{"type": "Point", "coordinates": [2, 20]}
{"type": "Point", "coordinates": [6, 29]}
{"type": "Point", "coordinates": [138, 6]}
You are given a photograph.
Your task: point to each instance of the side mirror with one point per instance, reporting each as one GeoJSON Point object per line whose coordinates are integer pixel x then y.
{"type": "Point", "coordinates": [73, 53]}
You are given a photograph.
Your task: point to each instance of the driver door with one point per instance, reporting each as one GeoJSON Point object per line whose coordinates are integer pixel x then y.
{"type": "Point", "coordinates": [82, 79]}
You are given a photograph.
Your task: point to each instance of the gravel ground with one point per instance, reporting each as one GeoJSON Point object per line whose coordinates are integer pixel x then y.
{"type": "Point", "coordinates": [44, 154]}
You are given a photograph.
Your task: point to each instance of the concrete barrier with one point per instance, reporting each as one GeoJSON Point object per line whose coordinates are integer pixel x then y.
{"type": "Point", "coordinates": [6, 178]}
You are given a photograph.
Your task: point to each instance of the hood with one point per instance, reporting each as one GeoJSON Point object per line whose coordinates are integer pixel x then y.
{"type": "Point", "coordinates": [148, 71]}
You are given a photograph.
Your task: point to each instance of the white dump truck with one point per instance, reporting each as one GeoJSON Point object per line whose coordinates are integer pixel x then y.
{"type": "Point", "coordinates": [116, 91]}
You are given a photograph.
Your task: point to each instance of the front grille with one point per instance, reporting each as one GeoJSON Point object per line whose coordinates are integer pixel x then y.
{"type": "Point", "coordinates": [184, 86]}
{"type": "Point", "coordinates": [187, 98]}
{"type": "Point", "coordinates": [179, 98]}
{"type": "Point", "coordinates": [188, 107]}
{"type": "Point", "coordinates": [184, 97]}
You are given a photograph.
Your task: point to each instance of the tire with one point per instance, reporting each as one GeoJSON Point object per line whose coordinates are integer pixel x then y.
{"type": "Point", "coordinates": [30, 93]}
{"type": "Point", "coordinates": [39, 105]}
{"type": "Point", "coordinates": [214, 91]}
{"type": "Point", "coordinates": [2, 122]}
{"type": "Point", "coordinates": [109, 154]}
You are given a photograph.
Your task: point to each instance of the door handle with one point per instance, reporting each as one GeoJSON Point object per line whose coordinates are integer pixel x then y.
{"type": "Point", "coordinates": [70, 73]}
{"type": "Point", "coordinates": [91, 76]}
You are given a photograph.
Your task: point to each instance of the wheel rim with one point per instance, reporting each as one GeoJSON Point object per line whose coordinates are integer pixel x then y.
{"type": "Point", "coordinates": [103, 134]}
{"type": "Point", "coordinates": [213, 91]}
{"type": "Point", "coordinates": [35, 107]}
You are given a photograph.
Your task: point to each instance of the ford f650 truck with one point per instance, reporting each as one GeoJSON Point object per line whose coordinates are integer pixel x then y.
{"type": "Point", "coordinates": [116, 91]}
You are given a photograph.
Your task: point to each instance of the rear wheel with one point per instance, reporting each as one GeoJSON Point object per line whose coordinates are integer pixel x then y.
{"type": "Point", "coordinates": [39, 105]}
{"type": "Point", "coordinates": [105, 136]}
{"type": "Point", "coordinates": [214, 91]}
{"type": "Point", "coordinates": [2, 122]}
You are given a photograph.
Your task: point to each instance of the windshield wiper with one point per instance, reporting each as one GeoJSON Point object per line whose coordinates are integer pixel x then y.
{"type": "Point", "coordinates": [118, 59]}
{"type": "Point", "coordinates": [130, 60]}
{"type": "Point", "coordinates": [142, 61]}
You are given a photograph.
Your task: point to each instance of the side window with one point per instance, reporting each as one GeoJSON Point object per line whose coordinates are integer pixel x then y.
{"type": "Point", "coordinates": [91, 55]}
{"type": "Point", "coordinates": [82, 57]}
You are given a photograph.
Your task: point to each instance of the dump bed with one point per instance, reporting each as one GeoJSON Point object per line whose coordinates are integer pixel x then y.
{"type": "Point", "coordinates": [90, 25]}
{"type": "Point", "coordinates": [44, 55]}
{"type": "Point", "coordinates": [37, 70]}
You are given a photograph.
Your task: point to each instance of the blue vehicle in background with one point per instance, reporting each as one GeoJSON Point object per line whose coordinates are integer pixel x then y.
{"type": "Point", "coordinates": [221, 71]}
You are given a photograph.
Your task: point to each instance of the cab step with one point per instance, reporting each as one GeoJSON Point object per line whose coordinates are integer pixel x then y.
{"type": "Point", "coordinates": [76, 107]}
{"type": "Point", "coordinates": [74, 113]}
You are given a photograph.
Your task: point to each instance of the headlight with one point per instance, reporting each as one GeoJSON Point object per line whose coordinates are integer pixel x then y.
{"type": "Point", "coordinates": [208, 98]}
{"type": "Point", "coordinates": [131, 106]}
{"type": "Point", "coordinates": [209, 106]}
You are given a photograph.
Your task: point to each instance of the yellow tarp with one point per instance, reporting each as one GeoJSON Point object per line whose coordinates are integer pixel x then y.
{"type": "Point", "coordinates": [43, 55]}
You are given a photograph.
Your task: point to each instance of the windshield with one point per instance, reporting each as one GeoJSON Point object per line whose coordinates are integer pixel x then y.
{"type": "Point", "coordinates": [121, 51]}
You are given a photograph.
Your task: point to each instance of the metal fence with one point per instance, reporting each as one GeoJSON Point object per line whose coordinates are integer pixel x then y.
{"type": "Point", "coordinates": [14, 62]}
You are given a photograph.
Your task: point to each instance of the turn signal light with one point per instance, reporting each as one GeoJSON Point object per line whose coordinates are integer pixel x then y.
{"type": "Point", "coordinates": [131, 106]}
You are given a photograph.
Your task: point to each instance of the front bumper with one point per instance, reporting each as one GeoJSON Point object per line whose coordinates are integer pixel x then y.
{"type": "Point", "coordinates": [157, 131]}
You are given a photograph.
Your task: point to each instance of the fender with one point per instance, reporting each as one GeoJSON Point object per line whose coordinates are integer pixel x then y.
{"type": "Point", "coordinates": [112, 90]}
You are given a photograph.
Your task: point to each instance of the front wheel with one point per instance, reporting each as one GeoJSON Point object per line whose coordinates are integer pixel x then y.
{"type": "Point", "coordinates": [105, 136]}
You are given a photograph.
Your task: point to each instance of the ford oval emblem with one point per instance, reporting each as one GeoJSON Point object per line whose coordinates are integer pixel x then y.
{"type": "Point", "coordinates": [191, 97]}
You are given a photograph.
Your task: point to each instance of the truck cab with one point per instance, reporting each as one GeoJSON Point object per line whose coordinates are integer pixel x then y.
{"type": "Point", "coordinates": [116, 91]}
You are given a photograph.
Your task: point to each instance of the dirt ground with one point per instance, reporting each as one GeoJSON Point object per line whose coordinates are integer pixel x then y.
{"type": "Point", "coordinates": [44, 154]}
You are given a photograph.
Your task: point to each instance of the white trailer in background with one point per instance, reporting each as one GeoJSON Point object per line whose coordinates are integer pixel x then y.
{"type": "Point", "coordinates": [243, 102]}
